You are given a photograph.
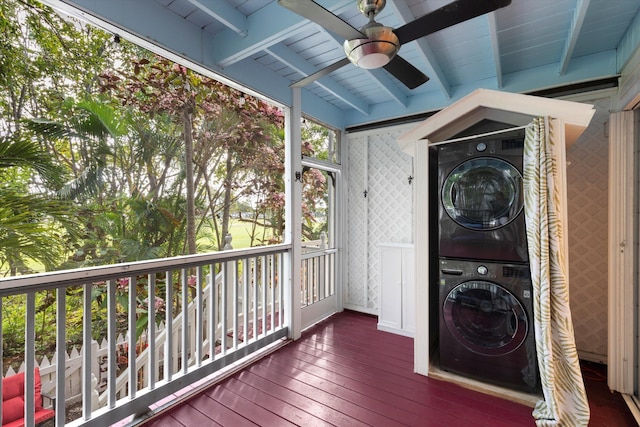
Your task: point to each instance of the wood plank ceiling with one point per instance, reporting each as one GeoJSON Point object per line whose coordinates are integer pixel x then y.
{"type": "Point", "coordinates": [529, 45]}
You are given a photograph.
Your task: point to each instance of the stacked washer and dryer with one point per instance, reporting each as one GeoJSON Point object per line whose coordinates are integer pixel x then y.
{"type": "Point", "coordinates": [484, 285]}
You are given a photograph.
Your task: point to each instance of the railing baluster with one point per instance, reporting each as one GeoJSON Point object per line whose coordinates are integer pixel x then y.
{"type": "Point", "coordinates": [199, 321]}
{"type": "Point", "coordinates": [168, 327]}
{"type": "Point", "coordinates": [312, 281]}
{"type": "Point", "coordinates": [326, 285]}
{"type": "Point", "coordinates": [150, 371]}
{"type": "Point", "coordinates": [321, 277]}
{"type": "Point", "coordinates": [131, 359]}
{"type": "Point", "coordinates": [304, 268]}
{"type": "Point", "coordinates": [30, 356]}
{"type": "Point", "coordinates": [316, 279]}
{"type": "Point", "coordinates": [331, 274]}
{"type": "Point", "coordinates": [273, 291]}
{"type": "Point", "coordinates": [235, 305]}
{"type": "Point", "coordinates": [212, 308]}
{"type": "Point", "coordinates": [185, 321]}
{"type": "Point", "coordinates": [255, 298]}
{"type": "Point", "coordinates": [246, 263]}
{"type": "Point", "coordinates": [61, 353]}
{"type": "Point", "coordinates": [112, 335]}
{"type": "Point", "coordinates": [307, 282]}
{"type": "Point", "coordinates": [280, 290]}
{"type": "Point", "coordinates": [264, 302]}
{"type": "Point", "coordinates": [86, 351]}
{"type": "Point", "coordinates": [224, 310]}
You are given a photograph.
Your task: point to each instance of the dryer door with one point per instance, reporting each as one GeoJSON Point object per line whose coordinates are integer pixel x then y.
{"type": "Point", "coordinates": [485, 317]}
{"type": "Point", "coordinates": [483, 193]}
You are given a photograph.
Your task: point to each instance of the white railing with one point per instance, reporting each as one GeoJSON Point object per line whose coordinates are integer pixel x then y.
{"type": "Point", "coordinates": [251, 309]}
{"type": "Point", "coordinates": [246, 305]}
{"type": "Point", "coordinates": [318, 270]}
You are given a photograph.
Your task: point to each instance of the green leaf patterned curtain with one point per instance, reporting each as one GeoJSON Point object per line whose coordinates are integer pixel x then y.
{"type": "Point", "coordinates": [565, 402]}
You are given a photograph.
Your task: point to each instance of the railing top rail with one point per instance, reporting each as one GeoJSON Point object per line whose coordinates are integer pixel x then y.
{"type": "Point", "coordinates": [39, 281]}
{"type": "Point", "coordinates": [316, 252]}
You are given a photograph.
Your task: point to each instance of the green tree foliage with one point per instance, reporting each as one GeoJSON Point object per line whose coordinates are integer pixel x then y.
{"type": "Point", "coordinates": [33, 225]}
{"type": "Point", "coordinates": [35, 42]}
{"type": "Point", "coordinates": [109, 154]}
{"type": "Point", "coordinates": [234, 142]}
{"type": "Point", "coordinates": [317, 142]}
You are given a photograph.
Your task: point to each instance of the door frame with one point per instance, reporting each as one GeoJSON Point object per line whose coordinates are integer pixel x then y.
{"type": "Point", "coordinates": [324, 308]}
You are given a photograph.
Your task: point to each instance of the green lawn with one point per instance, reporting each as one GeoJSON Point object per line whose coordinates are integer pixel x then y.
{"type": "Point", "coordinates": [241, 235]}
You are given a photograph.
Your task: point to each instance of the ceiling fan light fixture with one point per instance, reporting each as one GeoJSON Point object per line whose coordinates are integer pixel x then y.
{"type": "Point", "coordinates": [375, 51]}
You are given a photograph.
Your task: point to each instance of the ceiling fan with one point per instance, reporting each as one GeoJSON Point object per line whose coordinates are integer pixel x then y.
{"type": "Point", "coordinates": [376, 46]}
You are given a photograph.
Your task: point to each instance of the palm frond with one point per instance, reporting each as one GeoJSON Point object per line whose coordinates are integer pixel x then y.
{"type": "Point", "coordinates": [28, 154]}
{"type": "Point", "coordinates": [102, 120]}
{"type": "Point", "coordinates": [88, 183]}
{"type": "Point", "coordinates": [32, 226]}
{"type": "Point", "coordinates": [50, 129]}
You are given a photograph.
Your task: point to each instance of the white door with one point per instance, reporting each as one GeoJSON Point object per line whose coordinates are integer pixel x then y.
{"type": "Point", "coordinates": [319, 258]}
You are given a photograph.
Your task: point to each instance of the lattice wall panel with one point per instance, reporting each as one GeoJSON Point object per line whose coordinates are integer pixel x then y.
{"type": "Point", "coordinates": [376, 164]}
{"type": "Point", "coordinates": [390, 201]}
{"type": "Point", "coordinates": [587, 181]}
{"type": "Point", "coordinates": [356, 222]}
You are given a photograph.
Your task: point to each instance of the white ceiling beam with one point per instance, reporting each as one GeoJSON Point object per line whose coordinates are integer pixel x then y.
{"type": "Point", "coordinates": [628, 45]}
{"type": "Point", "coordinates": [148, 21]}
{"type": "Point", "coordinates": [574, 32]}
{"type": "Point", "coordinates": [223, 12]}
{"type": "Point", "coordinates": [267, 26]}
{"type": "Point", "coordinates": [495, 47]}
{"type": "Point", "coordinates": [388, 85]}
{"type": "Point", "coordinates": [300, 65]}
{"type": "Point", "coordinates": [434, 71]}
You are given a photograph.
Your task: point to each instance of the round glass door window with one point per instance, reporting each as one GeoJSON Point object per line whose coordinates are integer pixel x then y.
{"type": "Point", "coordinates": [486, 318]}
{"type": "Point", "coordinates": [484, 193]}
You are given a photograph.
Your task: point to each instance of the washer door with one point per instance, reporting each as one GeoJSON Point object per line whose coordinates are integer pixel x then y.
{"type": "Point", "coordinates": [486, 318]}
{"type": "Point", "coordinates": [484, 193]}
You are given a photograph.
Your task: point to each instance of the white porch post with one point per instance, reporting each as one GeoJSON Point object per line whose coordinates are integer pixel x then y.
{"type": "Point", "coordinates": [293, 215]}
{"type": "Point", "coordinates": [622, 251]}
{"type": "Point", "coordinates": [421, 265]}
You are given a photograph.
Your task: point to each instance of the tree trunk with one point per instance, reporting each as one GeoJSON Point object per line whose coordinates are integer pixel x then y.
{"type": "Point", "coordinates": [190, 190]}
{"type": "Point", "coordinates": [226, 207]}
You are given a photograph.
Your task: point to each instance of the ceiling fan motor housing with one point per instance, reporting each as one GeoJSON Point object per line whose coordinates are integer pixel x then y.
{"type": "Point", "coordinates": [367, 6]}
{"type": "Point", "coordinates": [380, 46]}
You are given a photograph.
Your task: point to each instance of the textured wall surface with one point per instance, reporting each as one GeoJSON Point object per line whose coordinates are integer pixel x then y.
{"type": "Point", "coordinates": [587, 181]}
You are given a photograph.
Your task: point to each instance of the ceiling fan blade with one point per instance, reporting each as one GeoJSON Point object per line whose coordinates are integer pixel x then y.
{"type": "Point", "coordinates": [409, 75]}
{"type": "Point", "coordinates": [323, 17]}
{"type": "Point", "coordinates": [320, 73]}
{"type": "Point", "coordinates": [451, 14]}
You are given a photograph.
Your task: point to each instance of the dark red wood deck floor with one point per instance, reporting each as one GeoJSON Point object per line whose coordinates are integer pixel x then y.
{"type": "Point", "coordinates": [344, 372]}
